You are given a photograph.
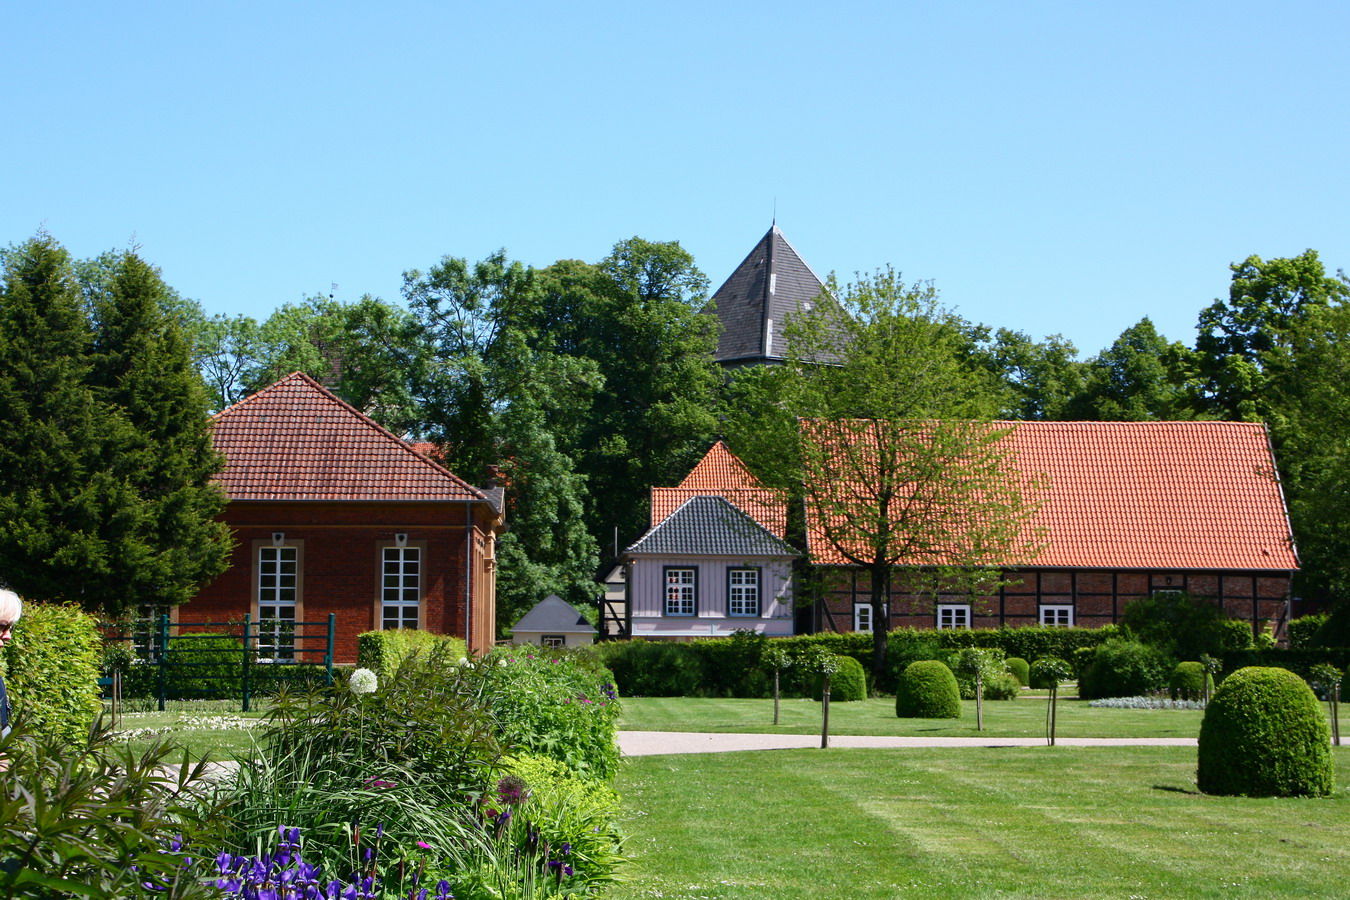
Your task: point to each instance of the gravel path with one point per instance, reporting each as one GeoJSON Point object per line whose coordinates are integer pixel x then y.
{"type": "Point", "coordinates": [657, 743]}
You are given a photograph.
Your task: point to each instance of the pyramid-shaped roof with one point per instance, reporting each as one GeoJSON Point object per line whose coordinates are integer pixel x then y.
{"type": "Point", "coordinates": [296, 440]}
{"type": "Point", "coordinates": [1144, 495]}
{"type": "Point", "coordinates": [769, 285]}
{"type": "Point", "coordinates": [721, 473]}
{"type": "Point", "coordinates": [710, 526]}
{"type": "Point", "coordinates": [554, 614]}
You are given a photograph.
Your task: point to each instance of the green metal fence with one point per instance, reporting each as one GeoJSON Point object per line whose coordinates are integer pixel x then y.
{"type": "Point", "coordinates": [227, 659]}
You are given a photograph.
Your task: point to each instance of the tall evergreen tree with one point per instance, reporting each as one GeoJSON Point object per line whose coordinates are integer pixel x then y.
{"type": "Point", "coordinates": [142, 373]}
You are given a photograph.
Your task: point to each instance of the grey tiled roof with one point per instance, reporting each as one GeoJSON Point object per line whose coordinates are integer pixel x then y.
{"type": "Point", "coordinates": [769, 285]}
{"type": "Point", "coordinates": [710, 526]}
{"type": "Point", "coordinates": [554, 614]}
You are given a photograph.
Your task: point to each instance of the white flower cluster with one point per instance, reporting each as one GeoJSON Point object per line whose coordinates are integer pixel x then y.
{"type": "Point", "coordinates": [363, 681]}
{"type": "Point", "coordinates": [1146, 703]}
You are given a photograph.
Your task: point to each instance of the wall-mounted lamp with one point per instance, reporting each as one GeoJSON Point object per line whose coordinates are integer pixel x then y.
{"type": "Point", "coordinates": [278, 538]}
{"type": "Point", "coordinates": [401, 539]}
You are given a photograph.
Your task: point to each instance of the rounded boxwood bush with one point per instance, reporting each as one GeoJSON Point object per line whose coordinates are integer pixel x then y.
{"type": "Point", "coordinates": [927, 690]}
{"type": "Point", "coordinates": [849, 682]}
{"type": "Point", "coordinates": [1020, 669]}
{"type": "Point", "coordinates": [1188, 681]}
{"type": "Point", "coordinates": [1122, 668]}
{"type": "Point", "coordinates": [1264, 735]}
{"type": "Point", "coordinates": [1002, 687]}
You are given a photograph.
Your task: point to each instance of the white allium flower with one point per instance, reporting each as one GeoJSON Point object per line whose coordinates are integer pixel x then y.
{"type": "Point", "coordinates": [463, 661]}
{"type": "Point", "coordinates": [363, 681]}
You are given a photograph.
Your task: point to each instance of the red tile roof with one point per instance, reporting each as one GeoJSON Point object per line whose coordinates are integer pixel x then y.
{"type": "Point", "coordinates": [1148, 495]}
{"type": "Point", "coordinates": [722, 474]}
{"type": "Point", "coordinates": [295, 440]}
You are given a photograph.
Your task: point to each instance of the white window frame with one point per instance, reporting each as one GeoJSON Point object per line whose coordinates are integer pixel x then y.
{"type": "Point", "coordinates": [743, 599]}
{"type": "Point", "coordinates": [145, 642]}
{"type": "Point", "coordinates": [953, 616]}
{"type": "Point", "coordinates": [681, 591]}
{"type": "Point", "coordinates": [401, 586]}
{"type": "Point", "coordinates": [553, 640]}
{"type": "Point", "coordinates": [277, 599]}
{"type": "Point", "coordinates": [862, 616]}
{"type": "Point", "coordinates": [1057, 615]}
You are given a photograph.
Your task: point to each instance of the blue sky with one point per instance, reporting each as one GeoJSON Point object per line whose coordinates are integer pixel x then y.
{"type": "Point", "coordinates": [1053, 167]}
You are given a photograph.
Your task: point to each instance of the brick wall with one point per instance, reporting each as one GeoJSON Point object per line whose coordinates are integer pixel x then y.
{"type": "Point", "coordinates": [339, 546]}
{"type": "Point", "coordinates": [1097, 597]}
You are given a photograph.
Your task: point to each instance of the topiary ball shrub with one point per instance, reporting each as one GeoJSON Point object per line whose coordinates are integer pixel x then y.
{"type": "Point", "coordinates": [1002, 687]}
{"type": "Point", "coordinates": [848, 683]}
{"type": "Point", "coordinates": [927, 690]}
{"type": "Point", "coordinates": [1036, 677]}
{"type": "Point", "coordinates": [1264, 735]}
{"type": "Point", "coordinates": [1020, 669]}
{"type": "Point", "coordinates": [1123, 668]}
{"type": "Point", "coordinates": [1188, 681]}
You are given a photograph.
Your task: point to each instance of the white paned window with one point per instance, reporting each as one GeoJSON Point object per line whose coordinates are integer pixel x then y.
{"type": "Point", "coordinates": [553, 640]}
{"type": "Point", "coordinates": [401, 587]}
{"type": "Point", "coordinates": [953, 615]}
{"type": "Point", "coordinates": [743, 592]}
{"type": "Point", "coordinates": [681, 594]}
{"type": "Point", "coordinates": [278, 586]}
{"type": "Point", "coordinates": [862, 617]}
{"type": "Point", "coordinates": [1060, 614]}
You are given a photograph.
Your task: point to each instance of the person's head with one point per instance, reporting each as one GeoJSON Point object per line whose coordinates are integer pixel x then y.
{"type": "Point", "coordinates": [11, 607]}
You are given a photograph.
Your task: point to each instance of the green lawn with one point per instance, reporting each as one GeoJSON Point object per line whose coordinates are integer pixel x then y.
{"type": "Point", "coordinates": [214, 727]}
{"type": "Point", "coordinates": [1024, 717]}
{"type": "Point", "coordinates": [1043, 823]}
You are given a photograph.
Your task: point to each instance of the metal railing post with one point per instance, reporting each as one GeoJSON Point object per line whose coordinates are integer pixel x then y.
{"type": "Point", "coordinates": [163, 658]}
{"type": "Point", "coordinates": [328, 653]}
{"type": "Point", "coordinates": [248, 669]}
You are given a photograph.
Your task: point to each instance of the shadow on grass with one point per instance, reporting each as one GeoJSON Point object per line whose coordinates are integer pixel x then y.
{"type": "Point", "coordinates": [1175, 790]}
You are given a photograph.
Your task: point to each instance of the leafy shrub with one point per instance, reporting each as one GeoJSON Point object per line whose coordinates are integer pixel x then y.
{"type": "Point", "coordinates": [84, 819]}
{"type": "Point", "coordinates": [383, 651]}
{"type": "Point", "coordinates": [578, 812]}
{"type": "Point", "coordinates": [1303, 631]}
{"type": "Point", "coordinates": [927, 690]}
{"type": "Point", "coordinates": [554, 704]}
{"type": "Point", "coordinates": [847, 683]}
{"type": "Point", "coordinates": [1300, 662]}
{"type": "Point", "coordinates": [1183, 626]}
{"type": "Point", "coordinates": [1188, 681]}
{"type": "Point", "coordinates": [1122, 668]}
{"type": "Point", "coordinates": [1264, 735]}
{"type": "Point", "coordinates": [1020, 669]}
{"type": "Point", "coordinates": [965, 662]}
{"type": "Point", "coordinates": [401, 759]}
{"type": "Point", "coordinates": [1002, 687]}
{"type": "Point", "coordinates": [52, 661]}
{"type": "Point", "coordinates": [1046, 673]}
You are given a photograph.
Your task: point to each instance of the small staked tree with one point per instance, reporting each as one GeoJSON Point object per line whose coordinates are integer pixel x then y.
{"type": "Point", "coordinates": [903, 470]}
{"type": "Point", "coordinates": [1327, 678]}
{"type": "Point", "coordinates": [777, 659]}
{"type": "Point", "coordinates": [1050, 670]}
{"type": "Point", "coordinates": [980, 664]}
{"type": "Point", "coordinates": [825, 663]}
{"type": "Point", "coordinates": [1212, 666]}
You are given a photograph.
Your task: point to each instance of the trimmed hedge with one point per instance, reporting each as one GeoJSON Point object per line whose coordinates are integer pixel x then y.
{"type": "Point", "coordinates": [1188, 681]}
{"type": "Point", "coordinates": [1303, 632]}
{"type": "Point", "coordinates": [1020, 669]}
{"type": "Point", "coordinates": [927, 690]}
{"type": "Point", "coordinates": [383, 651]}
{"type": "Point", "coordinates": [1264, 735]}
{"type": "Point", "coordinates": [52, 667]}
{"type": "Point", "coordinates": [1300, 662]}
{"type": "Point", "coordinates": [1122, 668]}
{"type": "Point", "coordinates": [847, 684]}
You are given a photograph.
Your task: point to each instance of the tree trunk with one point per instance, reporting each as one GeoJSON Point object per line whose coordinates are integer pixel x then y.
{"type": "Point", "coordinates": [880, 572]}
{"type": "Point", "coordinates": [825, 713]}
{"type": "Point", "coordinates": [775, 696]}
{"type": "Point", "coordinates": [979, 702]}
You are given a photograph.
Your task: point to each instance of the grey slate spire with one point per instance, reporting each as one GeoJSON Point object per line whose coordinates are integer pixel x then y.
{"type": "Point", "coordinates": [772, 283]}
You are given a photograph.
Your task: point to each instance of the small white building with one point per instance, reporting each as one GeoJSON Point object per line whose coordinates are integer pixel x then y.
{"type": "Point", "coordinates": [553, 622]}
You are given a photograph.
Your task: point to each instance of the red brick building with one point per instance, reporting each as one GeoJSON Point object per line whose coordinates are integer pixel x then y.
{"type": "Point", "coordinates": [1127, 510]}
{"type": "Point", "coordinates": [331, 513]}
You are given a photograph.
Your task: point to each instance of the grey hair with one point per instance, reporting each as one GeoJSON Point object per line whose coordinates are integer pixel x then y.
{"type": "Point", "coordinates": [11, 607]}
